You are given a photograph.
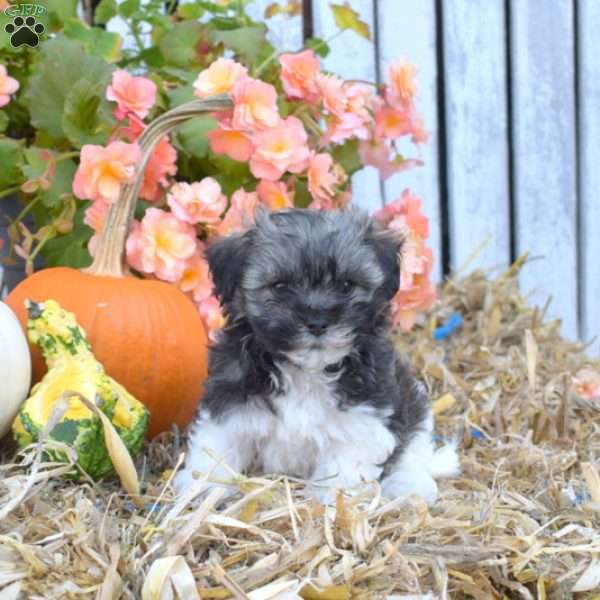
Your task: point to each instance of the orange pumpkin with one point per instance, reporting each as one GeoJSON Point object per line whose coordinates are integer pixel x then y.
{"type": "Point", "coordinates": [146, 333]}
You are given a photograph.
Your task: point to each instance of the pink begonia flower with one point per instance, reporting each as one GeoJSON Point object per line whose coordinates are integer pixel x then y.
{"type": "Point", "coordinates": [240, 214]}
{"type": "Point", "coordinates": [132, 94]}
{"type": "Point", "coordinates": [198, 202]}
{"type": "Point", "coordinates": [161, 245]}
{"type": "Point", "coordinates": [405, 211]}
{"type": "Point", "coordinates": [275, 194]}
{"type": "Point", "coordinates": [231, 142]}
{"type": "Point", "coordinates": [195, 279]}
{"type": "Point", "coordinates": [212, 315]}
{"type": "Point", "coordinates": [219, 78]}
{"type": "Point", "coordinates": [378, 153]}
{"type": "Point", "coordinates": [402, 86]}
{"type": "Point", "coordinates": [587, 383]}
{"type": "Point", "coordinates": [8, 85]}
{"type": "Point", "coordinates": [163, 162]}
{"type": "Point", "coordinates": [331, 90]}
{"type": "Point", "coordinates": [349, 125]}
{"type": "Point", "coordinates": [95, 215]}
{"type": "Point", "coordinates": [298, 75]}
{"type": "Point", "coordinates": [392, 123]}
{"type": "Point", "coordinates": [103, 170]}
{"type": "Point", "coordinates": [255, 105]}
{"type": "Point", "coordinates": [416, 291]}
{"type": "Point", "coordinates": [280, 149]}
{"type": "Point", "coordinates": [324, 177]}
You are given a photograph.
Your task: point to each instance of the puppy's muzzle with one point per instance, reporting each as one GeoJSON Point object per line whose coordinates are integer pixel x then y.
{"type": "Point", "coordinates": [316, 323]}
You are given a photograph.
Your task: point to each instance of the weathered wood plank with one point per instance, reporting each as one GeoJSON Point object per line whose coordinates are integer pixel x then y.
{"type": "Point", "coordinates": [285, 33]}
{"type": "Point", "coordinates": [476, 124]}
{"type": "Point", "coordinates": [589, 174]}
{"type": "Point", "coordinates": [352, 57]}
{"type": "Point", "coordinates": [409, 30]}
{"type": "Point", "coordinates": [544, 159]}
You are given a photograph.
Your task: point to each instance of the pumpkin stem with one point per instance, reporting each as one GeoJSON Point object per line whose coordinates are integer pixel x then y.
{"type": "Point", "coordinates": [110, 254]}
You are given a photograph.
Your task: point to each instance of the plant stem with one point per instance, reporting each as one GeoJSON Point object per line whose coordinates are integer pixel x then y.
{"type": "Point", "coordinates": [67, 155]}
{"type": "Point", "coordinates": [9, 191]}
{"type": "Point", "coordinates": [25, 210]}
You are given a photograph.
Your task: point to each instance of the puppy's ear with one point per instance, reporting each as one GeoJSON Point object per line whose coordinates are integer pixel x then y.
{"type": "Point", "coordinates": [226, 260]}
{"type": "Point", "coordinates": [388, 247]}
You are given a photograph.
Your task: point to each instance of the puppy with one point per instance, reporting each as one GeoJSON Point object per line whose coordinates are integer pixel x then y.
{"type": "Point", "coordinates": [303, 379]}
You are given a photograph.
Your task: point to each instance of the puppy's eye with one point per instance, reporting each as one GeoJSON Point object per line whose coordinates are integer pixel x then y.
{"type": "Point", "coordinates": [280, 286]}
{"type": "Point", "coordinates": [347, 285]}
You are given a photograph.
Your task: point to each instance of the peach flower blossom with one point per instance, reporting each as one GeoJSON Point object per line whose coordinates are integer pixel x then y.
{"type": "Point", "coordinates": [231, 142]}
{"type": "Point", "coordinates": [331, 89]}
{"type": "Point", "coordinates": [132, 94]}
{"type": "Point", "coordinates": [324, 177]}
{"type": "Point", "coordinates": [402, 85]}
{"type": "Point", "coordinates": [8, 86]}
{"type": "Point", "coordinates": [404, 212]}
{"type": "Point", "coordinates": [95, 215]}
{"type": "Point", "coordinates": [275, 194]}
{"type": "Point", "coordinates": [161, 245]}
{"type": "Point", "coordinates": [587, 383]}
{"type": "Point", "coordinates": [219, 78]}
{"type": "Point", "coordinates": [201, 201]}
{"type": "Point", "coordinates": [392, 123]}
{"type": "Point", "coordinates": [298, 75]}
{"type": "Point", "coordinates": [279, 149]}
{"type": "Point", "coordinates": [195, 279]}
{"type": "Point", "coordinates": [240, 214]}
{"type": "Point", "coordinates": [103, 170]}
{"type": "Point", "coordinates": [255, 105]}
{"type": "Point", "coordinates": [212, 315]}
{"type": "Point", "coordinates": [162, 162]}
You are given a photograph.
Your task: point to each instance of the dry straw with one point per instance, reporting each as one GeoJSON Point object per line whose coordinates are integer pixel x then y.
{"type": "Point", "coordinates": [521, 521]}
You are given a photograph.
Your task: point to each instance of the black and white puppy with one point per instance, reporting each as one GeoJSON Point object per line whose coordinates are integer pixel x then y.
{"type": "Point", "coordinates": [304, 380]}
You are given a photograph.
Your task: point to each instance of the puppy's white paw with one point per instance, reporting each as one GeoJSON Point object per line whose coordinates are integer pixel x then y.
{"type": "Point", "coordinates": [323, 494]}
{"type": "Point", "coordinates": [402, 484]}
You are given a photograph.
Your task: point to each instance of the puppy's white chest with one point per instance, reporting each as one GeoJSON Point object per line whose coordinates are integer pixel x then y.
{"type": "Point", "coordinates": [309, 428]}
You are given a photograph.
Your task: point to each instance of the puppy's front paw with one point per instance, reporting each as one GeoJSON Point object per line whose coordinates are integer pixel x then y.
{"type": "Point", "coordinates": [405, 483]}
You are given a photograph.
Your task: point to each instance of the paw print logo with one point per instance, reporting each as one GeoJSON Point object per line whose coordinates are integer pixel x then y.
{"type": "Point", "coordinates": [24, 31]}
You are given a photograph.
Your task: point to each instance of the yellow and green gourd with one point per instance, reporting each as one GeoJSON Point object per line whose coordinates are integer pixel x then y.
{"type": "Point", "coordinates": [72, 367]}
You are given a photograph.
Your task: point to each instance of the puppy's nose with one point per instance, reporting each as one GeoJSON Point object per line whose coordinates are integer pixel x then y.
{"type": "Point", "coordinates": [317, 324]}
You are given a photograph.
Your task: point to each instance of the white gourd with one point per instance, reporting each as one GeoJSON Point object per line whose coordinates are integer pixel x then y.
{"type": "Point", "coordinates": [15, 367]}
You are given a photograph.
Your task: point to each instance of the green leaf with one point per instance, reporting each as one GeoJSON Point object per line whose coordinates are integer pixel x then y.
{"type": "Point", "coordinates": [105, 11]}
{"type": "Point", "coordinates": [11, 159]}
{"type": "Point", "coordinates": [95, 40]}
{"type": "Point", "coordinates": [60, 11]}
{"type": "Point", "coordinates": [178, 45]}
{"type": "Point", "coordinates": [191, 137]}
{"type": "Point", "coordinates": [190, 11]}
{"type": "Point", "coordinates": [347, 18]}
{"type": "Point", "coordinates": [35, 164]}
{"type": "Point", "coordinates": [230, 174]}
{"type": "Point", "coordinates": [152, 57]}
{"type": "Point", "coordinates": [302, 197]}
{"type": "Point", "coordinates": [246, 42]}
{"type": "Point", "coordinates": [180, 95]}
{"type": "Point", "coordinates": [127, 8]}
{"type": "Point", "coordinates": [347, 155]}
{"type": "Point", "coordinates": [320, 46]}
{"type": "Point", "coordinates": [86, 117]}
{"type": "Point", "coordinates": [70, 250]}
{"type": "Point", "coordinates": [61, 65]}
{"type": "Point", "coordinates": [3, 121]}
{"type": "Point", "coordinates": [62, 183]}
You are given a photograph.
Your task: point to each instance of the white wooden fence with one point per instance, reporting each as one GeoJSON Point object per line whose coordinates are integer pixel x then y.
{"type": "Point", "coordinates": [511, 94]}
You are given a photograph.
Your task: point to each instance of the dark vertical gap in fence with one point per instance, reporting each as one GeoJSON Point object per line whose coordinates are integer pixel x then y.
{"type": "Point", "coordinates": [579, 241]}
{"type": "Point", "coordinates": [442, 140]}
{"type": "Point", "coordinates": [378, 75]}
{"type": "Point", "coordinates": [307, 19]}
{"type": "Point", "coordinates": [510, 167]}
